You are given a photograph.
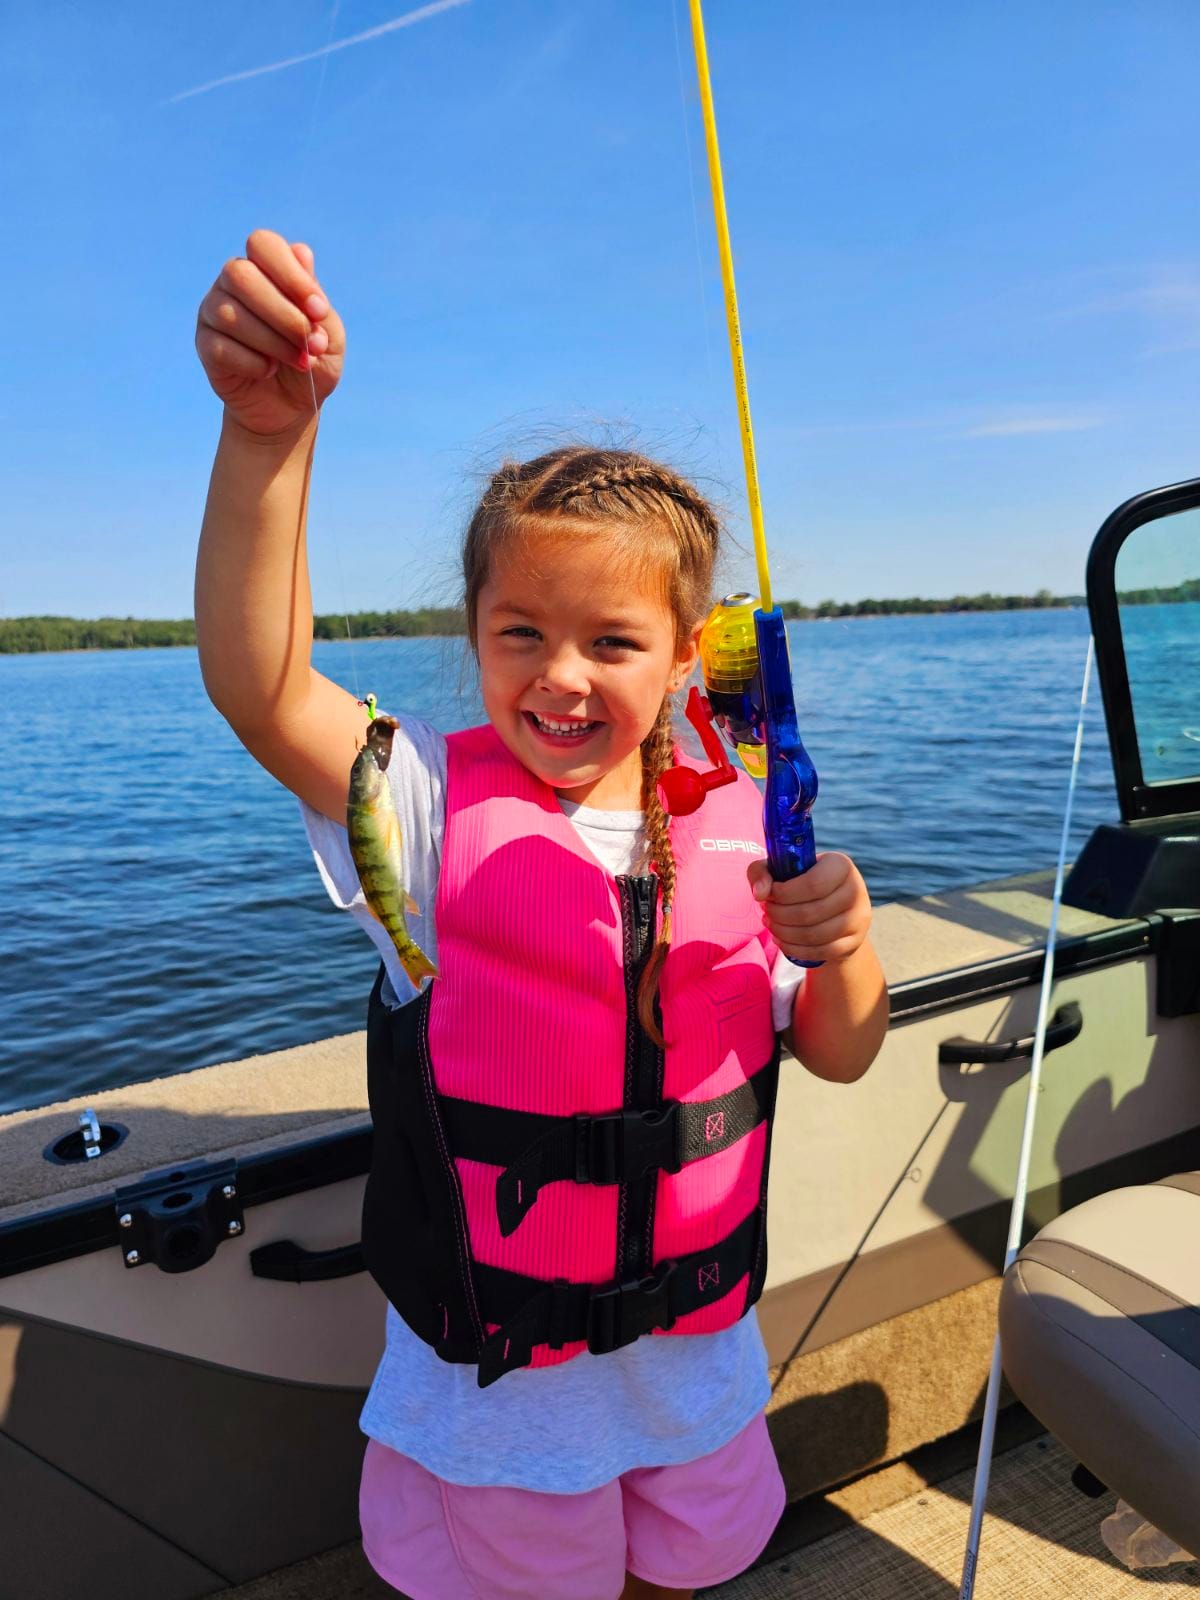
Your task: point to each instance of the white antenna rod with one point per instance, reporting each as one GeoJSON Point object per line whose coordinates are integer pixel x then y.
{"type": "Point", "coordinates": [1016, 1220]}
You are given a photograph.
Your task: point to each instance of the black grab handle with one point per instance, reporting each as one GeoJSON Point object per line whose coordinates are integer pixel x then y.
{"type": "Point", "coordinates": [292, 1263]}
{"type": "Point", "coordinates": [1066, 1024]}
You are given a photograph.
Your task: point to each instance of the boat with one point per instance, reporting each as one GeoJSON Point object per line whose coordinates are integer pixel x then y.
{"type": "Point", "coordinates": [187, 1330]}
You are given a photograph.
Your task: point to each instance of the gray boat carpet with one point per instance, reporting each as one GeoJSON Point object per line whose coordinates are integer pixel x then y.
{"type": "Point", "coordinates": [1041, 1541]}
{"type": "Point", "coordinates": [341, 1574]}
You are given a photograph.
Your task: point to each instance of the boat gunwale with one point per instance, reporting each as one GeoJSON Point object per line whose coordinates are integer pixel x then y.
{"type": "Point", "coordinates": [80, 1227]}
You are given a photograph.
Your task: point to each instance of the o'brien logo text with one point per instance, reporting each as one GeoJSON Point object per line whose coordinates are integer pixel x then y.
{"type": "Point", "coordinates": [748, 845]}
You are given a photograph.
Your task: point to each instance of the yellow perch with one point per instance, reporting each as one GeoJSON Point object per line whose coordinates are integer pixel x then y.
{"type": "Point", "coordinates": [374, 830]}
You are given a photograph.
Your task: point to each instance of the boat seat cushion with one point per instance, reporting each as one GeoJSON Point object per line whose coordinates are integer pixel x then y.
{"type": "Point", "coordinates": [1100, 1336]}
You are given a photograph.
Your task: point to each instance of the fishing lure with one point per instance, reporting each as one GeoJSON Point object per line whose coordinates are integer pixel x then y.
{"type": "Point", "coordinates": [375, 840]}
{"type": "Point", "coordinates": [744, 649]}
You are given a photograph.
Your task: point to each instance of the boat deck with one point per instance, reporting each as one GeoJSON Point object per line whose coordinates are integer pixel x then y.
{"type": "Point", "coordinates": [1041, 1539]}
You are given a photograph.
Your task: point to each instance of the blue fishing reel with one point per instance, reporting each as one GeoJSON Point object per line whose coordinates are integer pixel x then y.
{"type": "Point", "coordinates": [748, 682]}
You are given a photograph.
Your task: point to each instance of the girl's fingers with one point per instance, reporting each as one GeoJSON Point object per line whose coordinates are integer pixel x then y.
{"type": "Point", "coordinates": [226, 356]}
{"type": "Point", "coordinates": [835, 950]}
{"type": "Point", "coordinates": [303, 254]}
{"type": "Point", "coordinates": [317, 304]}
{"type": "Point", "coordinates": [266, 312]}
{"type": "Point", "coordinates": [230, 317]}
{"type": "Point", "coordinates": [272, 254]}
{"type": "Point", "coordinates": [242, 281]}
{"type": "Point", "coordinates": [760, 878]}
{"type": "Point", "coordinates": [814, 934]}
{"type": "Point", "coordinates": [809, 914]}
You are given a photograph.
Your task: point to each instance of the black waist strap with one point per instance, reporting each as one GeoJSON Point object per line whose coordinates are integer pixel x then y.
{"type": "Point", "coordinates": [614, 1147]}
{"type": "Point", "coordinates": [608, 1316]}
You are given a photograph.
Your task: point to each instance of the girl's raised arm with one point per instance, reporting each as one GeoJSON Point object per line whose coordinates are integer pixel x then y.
{"type": "Point", "coordinates": [253, 603]}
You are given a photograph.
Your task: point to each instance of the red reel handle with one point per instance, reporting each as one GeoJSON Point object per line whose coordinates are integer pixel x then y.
{"type": "Point", "coordinates": [682, 789]}
{"type": "Point", "coordinates": [700, 714]}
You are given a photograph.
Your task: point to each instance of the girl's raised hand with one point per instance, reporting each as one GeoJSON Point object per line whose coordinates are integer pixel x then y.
{"type": "Point", "coordinates": [251, 331]}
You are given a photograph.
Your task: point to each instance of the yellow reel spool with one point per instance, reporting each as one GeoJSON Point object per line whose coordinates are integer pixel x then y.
{"type": "Point", "coordinates": [729, 661]}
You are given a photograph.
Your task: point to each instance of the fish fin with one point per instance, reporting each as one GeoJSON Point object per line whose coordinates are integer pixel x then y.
{"type": "Point", "coordinates": [411, 906]}
{"type": "Point", "coordinates": [417, 964]}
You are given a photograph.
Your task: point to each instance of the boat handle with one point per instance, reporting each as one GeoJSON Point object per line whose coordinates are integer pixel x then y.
{"type": "Point", "coordinates": [289, 1262]}
{"type": "Point", "coordinates": [1066, 1024]}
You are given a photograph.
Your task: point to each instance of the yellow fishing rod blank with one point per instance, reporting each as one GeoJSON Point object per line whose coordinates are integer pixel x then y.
{"type": "Point", "coordinates": [750, 691]}
{"type": "Point", "coordinates": [724, 249]}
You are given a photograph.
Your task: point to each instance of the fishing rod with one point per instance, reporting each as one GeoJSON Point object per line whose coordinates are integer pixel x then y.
{"type": "Point", "coordinates": [743, 648]}
{"type": "Point", "coordinates": [1016, 1220]}
{"type": "Point", "coordinates": [747, 674]}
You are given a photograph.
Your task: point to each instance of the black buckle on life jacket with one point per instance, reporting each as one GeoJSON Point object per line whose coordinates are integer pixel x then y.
{"type": "Point", "coordinates": [613, 1147]}
{"type": "Point", "coordinates": [621, 1145]}
{"type": "Point", "coordinates": [619, 1313]}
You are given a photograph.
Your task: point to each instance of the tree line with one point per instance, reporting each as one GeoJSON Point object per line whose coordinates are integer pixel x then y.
{"type": "Point", "coordinates": [1189, 589]}
{"type": "Point", "coordinates": [797, 611]}
{"type": "Point", "coordinates": [22, 635]}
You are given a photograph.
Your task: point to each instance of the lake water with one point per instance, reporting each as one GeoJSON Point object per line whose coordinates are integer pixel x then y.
{"type": "Point", "coordinates": [159, 908]}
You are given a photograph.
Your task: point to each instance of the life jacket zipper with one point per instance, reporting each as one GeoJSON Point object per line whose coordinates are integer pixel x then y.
{"type": "Point", "coordinates": [643, 1074]}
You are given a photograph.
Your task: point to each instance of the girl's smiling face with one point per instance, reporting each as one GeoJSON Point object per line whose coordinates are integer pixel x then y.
{"type": "Point", "coordinates": [575, 663]}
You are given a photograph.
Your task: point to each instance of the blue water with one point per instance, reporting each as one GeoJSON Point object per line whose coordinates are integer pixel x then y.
{"type": "Point", "coordinates": [159, 908]}
{"type": "Point", "coordinates": [1162, 647]}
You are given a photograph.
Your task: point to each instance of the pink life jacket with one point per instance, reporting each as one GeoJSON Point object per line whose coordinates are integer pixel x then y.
{"type": "Point", "coordinates": [575, 1186]}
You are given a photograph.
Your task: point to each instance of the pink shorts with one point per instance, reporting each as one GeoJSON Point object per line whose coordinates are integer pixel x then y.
{"type": "Point", "coordinates": [683, 1527]}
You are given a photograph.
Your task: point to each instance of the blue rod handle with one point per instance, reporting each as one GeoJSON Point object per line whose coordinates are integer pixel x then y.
{"type": "Point", "coordinates": [791, 776]}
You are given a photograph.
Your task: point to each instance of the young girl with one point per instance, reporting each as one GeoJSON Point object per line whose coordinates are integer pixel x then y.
{"type": "Point", "coordinates": [567, 1200]}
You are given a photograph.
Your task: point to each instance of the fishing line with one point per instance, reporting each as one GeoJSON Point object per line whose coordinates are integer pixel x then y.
{"type": "Point", "coordinates": [312, 382]}
{"type": "Point", "coordinates": [337, 547]}
{"type": "Point", "coordinates": [1016, 1219]}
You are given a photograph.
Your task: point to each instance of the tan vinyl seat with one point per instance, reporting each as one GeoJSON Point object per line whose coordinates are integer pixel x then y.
{"type": "Point", "coordinates": [1100, 1335]}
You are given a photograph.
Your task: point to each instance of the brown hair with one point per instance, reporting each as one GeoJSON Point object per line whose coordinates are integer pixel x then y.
{"type": "Point", "coordinates": [663, 528]}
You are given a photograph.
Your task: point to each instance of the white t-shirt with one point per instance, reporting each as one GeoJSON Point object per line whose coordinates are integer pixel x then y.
{"type": "Point", "coordinates": [568, 1428]}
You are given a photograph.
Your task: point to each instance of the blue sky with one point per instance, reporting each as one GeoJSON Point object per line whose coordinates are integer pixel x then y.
{"type": "Point", "coordinates": [967, 239]}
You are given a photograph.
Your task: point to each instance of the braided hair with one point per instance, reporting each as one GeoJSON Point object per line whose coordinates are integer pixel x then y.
{"type": "Point", "coordinates": [663, 528]}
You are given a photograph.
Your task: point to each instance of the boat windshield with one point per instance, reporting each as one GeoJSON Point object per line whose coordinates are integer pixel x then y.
{"type": "Point", "coordinates": [1158, 590]}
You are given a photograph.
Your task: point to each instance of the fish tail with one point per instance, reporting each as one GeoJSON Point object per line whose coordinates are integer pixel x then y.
{"type": "Point", "coordinates": [416, 963]}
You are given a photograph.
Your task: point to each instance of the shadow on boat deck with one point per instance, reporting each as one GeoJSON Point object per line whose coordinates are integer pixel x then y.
{"type": "Point", "coordinates": [1041, 1541]}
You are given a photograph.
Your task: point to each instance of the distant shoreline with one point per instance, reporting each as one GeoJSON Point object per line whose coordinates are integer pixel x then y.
{"type": "Point", "coordinates": [43, 635]}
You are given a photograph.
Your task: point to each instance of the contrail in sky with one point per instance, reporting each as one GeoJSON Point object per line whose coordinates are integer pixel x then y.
{"type": "Point", "coordinates": [406, 21]}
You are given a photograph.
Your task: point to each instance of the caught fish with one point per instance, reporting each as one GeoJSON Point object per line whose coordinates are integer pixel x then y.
{"type": "Point", "coordinates": [374, 830]}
